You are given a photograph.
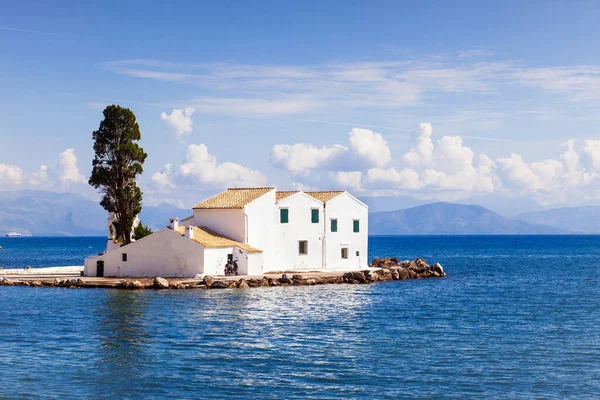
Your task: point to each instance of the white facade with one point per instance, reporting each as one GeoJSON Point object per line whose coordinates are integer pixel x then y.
{"type": "Point", "coordinates": [298, 228]}
{"type": "Point", "coordinates": [346, 209]}
{"type": "Point", "coordinates": [262, 230]}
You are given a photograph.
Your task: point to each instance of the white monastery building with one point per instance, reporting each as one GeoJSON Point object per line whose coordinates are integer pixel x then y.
{"type": "Point", "coordinates": [261, 229]}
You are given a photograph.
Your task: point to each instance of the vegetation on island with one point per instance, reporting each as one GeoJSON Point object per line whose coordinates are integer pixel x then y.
{"type": "Point", "coordinates": [141, 231]}
{"type": "Point", "coordinates": [118, 160]}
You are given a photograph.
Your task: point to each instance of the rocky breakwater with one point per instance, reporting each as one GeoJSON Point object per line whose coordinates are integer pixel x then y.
{"type": "Point", "coordinates": [381, 270]}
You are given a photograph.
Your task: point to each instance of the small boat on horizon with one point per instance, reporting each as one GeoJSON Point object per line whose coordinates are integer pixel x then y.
{"type": "Point", "coordinates": [13, 234]}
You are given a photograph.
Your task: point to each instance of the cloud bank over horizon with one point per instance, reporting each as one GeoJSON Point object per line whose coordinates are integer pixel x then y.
{"type": "Point", "coordinates": [437, 169]}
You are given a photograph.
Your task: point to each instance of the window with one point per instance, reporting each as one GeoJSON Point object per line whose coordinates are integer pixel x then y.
{"type": "Point", "coordinates": [356, 225]}
{"type": "Point", "coordinates": [284, 215]}
{"type": "Point", "coordinates": [357, 253]}
{"type": "Point", "coordinates": [303, 247]}
{"type": "Point", "coordinates": [334, 225]}
{"type": "Point", "coordinates": [124, 257]}
{"type": "Point", "coordinates": [344, 252]}
{"type": "Point", "coordinates": [314, 215]}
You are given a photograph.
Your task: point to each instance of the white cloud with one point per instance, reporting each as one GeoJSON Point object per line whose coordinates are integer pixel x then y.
{"type": "Point", "coordinates": [68, 173]}
{"type": "Point", "coordinates": [406, 178]}
{"type": "Point", "coordinates": [421, 150]}
{"type": "Point", "coordinates": [39, 177]}
{"type": "Point", "coordinates": [162, 180]}
{"type": "Point", "coordinates": [348, 180]}
{"type": "Point", "coordinates": [201, 166]}
{"type": "Point", "coordinates": [180, 120]}
{"type": "Point", "coordinates": [301, 157]}
{"type": "Point", "coordinates": [370, 147]}
{"type": "Point", "coordinates": [200, 171]}
{"type": "Point", "coordinates": [10, 175]}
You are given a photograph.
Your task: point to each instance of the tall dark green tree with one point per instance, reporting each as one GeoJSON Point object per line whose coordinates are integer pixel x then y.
{"type": "Point", "coordinates": [117, 162]}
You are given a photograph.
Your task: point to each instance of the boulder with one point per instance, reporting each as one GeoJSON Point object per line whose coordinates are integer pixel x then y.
{"type": "Point", "coordinates": [285, 280]}
{"type": "Point", "coordinates": [384, 263]}
{"type": "Point", "coordinates": [37, 284]}
{"type": "Point", "coordinates": [310, 281]}
{"type": "Point", "coordinates": [403, 273]}
{"type": "Point", "coordinates": [395, 274]}
{"type": "Point", "coordinates": [219, 285]}
{"type": "Point", "coordinates": [5, 281]}
{"type": "Point", "coordinates": [265, 281]}
{"type": "Point", "coordinates": [296, 277]}
{"type": "Point", "coordinates": [437, 267]}
{"type": "Point", "coordinates": [208, 281]}
{"type": "Point", "coordinates": [242, 284]}
{"type": "Point", "coordinates": [160, 283]}
{"type": "Point", "coordinates": [274, 282]}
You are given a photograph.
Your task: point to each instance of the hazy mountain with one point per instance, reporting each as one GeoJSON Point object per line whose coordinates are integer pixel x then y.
{"type": "Point", "coordinates": [506, 206]}
{"type": "Point", "coordinates": [576, 219]}
{"type": "Point", "coordinates": [450, 219]}
{"type": "Point", "coordinates": [36, 212]}
{"type": "Point", "coordinates": [391, 203]}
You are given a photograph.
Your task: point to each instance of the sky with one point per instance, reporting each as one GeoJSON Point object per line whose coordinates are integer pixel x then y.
{"type": "Point", "coordinates": [435, 100]}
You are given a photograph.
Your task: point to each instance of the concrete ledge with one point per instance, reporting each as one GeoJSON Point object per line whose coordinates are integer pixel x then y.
{"type": "Point", "coordinates": [68, 270]}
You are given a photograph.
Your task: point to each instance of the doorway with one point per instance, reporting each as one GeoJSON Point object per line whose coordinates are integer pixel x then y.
{"type": "Point", "coordinates": [100, 268]}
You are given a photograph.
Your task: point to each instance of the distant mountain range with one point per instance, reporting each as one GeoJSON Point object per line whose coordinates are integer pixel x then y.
{"type": "Point", "coordinates": [44, 213]}
{"type": "Point", "coordinates": [573, 219]}
{"type": "Point", "coordinates": [450, 219]}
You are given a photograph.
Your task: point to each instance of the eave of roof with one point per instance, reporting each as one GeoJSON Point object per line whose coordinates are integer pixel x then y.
{"type": "Point", "coordinates": [233, 198]}
{"type": "Point", "coordinates": [211, 239]}
{"type": "Point", "coordinates": [325, 196]}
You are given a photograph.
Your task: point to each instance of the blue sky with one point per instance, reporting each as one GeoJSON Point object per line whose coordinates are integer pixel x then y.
{"type": "Point", "coordinates": [432, 99]}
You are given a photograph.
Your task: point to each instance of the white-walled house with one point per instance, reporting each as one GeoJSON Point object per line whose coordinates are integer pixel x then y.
{"type": "Point", "coordinates": [261, 229]}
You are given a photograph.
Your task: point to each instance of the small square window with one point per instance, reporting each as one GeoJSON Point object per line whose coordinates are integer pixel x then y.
{"type": "Point", "coordinates": [357, 253]}
{"type": "Point", "coordinates": [334, 225]}
{"type": "Point", "coordinates": [303, 247]}
{"type": "Point", "coordinates": [124, 257]}
{"type": "Point", "coordinates": [314, 215]}
{"type": "Point", "coordinates": [344, 252]}
{"type": "Point", "coordinates": [356, 226]}
{"type": "Point", "coordinates": [284, 215]}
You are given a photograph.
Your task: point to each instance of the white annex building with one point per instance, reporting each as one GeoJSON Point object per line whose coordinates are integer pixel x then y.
{"type": "Point", "coordinates": [261, 229]}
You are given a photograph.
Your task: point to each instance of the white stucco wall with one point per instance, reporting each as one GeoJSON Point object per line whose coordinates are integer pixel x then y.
{"type": "Point", "coordinates": [346, 209]}
{"type": "Point", "coordinates": [164, 253]}
{"type": "Point", "coordinates": [215, 260]}
{"type": "Point", "coordinates": [285, 247]}
{"type": "Point", "coordinates": [231, 223]}
{"type": "Point", "coordinates": [261, 222]}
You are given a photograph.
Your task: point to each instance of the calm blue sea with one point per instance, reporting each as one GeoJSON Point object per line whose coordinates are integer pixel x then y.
{"type": "Point", "coordinates": [517, 317]}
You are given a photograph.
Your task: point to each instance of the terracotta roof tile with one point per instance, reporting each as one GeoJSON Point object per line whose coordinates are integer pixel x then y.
{"type": "Point", "coordinates": [233, 198]}
{"type": "Point", "coordinates": [282, 194]}
{"type": "Point", "coordinates": [211, 239]}
{"type": "Point", "coordinates": [325, 196]}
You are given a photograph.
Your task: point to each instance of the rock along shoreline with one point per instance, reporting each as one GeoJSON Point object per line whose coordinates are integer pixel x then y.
{"type": "Point", "coordinates": [381, 270]}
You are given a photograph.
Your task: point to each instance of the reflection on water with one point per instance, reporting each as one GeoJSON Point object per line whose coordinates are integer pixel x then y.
{"type": "Point", "coordinates": [122, 334]}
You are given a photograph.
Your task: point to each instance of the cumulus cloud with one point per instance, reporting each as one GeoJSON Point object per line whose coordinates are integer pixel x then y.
{"type": "Point", "coordinates": [180, 120]}
{"type": "Point", "coordinates": [68, 173]}
{"type": "Point", "coordinates": [162, 180]}
{"type": "Point", "coordinates": [370, 147]}
{"type": "Point", "coordinates": [10, 175]}
{"type": "Point", "coordinates": [301, 157]}
{"type": "Point", "coordinates": [348, 180]}
{"type": "Point", "coordinates": [201, 167]}
{"type": "Point", "coordinates": [39, 177]}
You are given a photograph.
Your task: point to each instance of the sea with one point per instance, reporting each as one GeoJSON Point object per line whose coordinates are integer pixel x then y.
{"type": "Point", "coordinates": [516, 317]}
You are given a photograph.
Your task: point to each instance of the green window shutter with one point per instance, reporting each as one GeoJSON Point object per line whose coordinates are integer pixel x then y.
{"type": "Point", "coordinates": [356, 225]}
{"type": "Point", "coordinates": [334, 225]}
{"type": "Point", "coordinates": [314, 216]}
{"type": "Point", "coordinates": [284, 215]}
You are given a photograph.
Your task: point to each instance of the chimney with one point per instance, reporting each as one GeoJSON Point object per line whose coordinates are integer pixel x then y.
{"type": "Point", "coordinates": [174, 223]}
{"type": "Point", "coordinates": [189, 232]}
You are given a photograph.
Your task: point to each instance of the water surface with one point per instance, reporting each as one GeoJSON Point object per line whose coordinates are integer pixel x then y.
{"type": "Point", "coordinates": [517, 317]}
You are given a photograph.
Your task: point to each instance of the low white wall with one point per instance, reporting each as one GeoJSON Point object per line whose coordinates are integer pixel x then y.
{"type": "Point", "coordinates": [163, 253]}
{"type": "Point", "coordinates": [215, 260]}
